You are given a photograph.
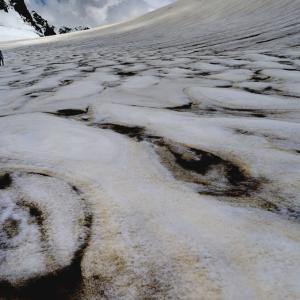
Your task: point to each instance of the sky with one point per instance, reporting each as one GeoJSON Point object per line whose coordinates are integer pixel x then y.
{"type": "Point", "coordinates": [92, 12]}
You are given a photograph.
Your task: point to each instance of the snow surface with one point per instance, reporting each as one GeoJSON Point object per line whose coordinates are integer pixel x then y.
{"type": "Point", "coordinates": [160, 155]}
{"type": "Point", "coordinates": [13, 27]}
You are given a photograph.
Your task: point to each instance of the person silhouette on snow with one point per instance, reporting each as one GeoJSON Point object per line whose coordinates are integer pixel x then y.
{"type": "Point", "coordinates": [1, 59]}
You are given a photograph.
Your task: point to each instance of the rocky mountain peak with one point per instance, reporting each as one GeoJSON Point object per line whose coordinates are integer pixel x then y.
{"type": "Point", "coordinates": [20, 13]}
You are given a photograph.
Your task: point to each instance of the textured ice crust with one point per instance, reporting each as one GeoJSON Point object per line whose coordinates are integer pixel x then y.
{"type": "Point", "coordinates": [32, 220]}
{"type": "Point", "coordinates": [158, 159]}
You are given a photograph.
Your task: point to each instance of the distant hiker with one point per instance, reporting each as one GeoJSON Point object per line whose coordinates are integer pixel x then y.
{"type": "Point", "coordinates": [1, 59]}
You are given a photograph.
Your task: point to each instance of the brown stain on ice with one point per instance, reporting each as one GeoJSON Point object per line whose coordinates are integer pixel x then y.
{"type": "Point", "coordinates": [115, 267]}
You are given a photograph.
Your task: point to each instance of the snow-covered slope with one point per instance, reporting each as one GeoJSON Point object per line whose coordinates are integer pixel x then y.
{"type": "Point", "coordinates": [12, 26]}
{"type": "Point", "coordinates": [17, 22]}
{"type": "Point", "coordinates": [155, 159]}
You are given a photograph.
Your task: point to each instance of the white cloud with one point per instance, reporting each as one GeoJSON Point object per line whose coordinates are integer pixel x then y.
{"type": "Point", "coordinates": [92, 12]}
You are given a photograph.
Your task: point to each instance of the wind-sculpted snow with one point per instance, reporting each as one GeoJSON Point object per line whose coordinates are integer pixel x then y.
{"type": "Point", "coordinates": [158, 159]}
{"type": "Point", "coordinates": [32, 218]}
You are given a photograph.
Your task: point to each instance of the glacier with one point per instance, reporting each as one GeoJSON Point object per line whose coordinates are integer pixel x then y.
{"type": "Point", "coordinates": [156, 158]}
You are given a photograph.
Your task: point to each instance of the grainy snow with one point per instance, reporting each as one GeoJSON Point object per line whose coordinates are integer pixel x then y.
{"type": "Point", "coordinates": [155, 159]}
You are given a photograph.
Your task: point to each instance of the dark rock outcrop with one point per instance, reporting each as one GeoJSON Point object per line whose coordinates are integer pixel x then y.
{"type": "Point", "coordinates": [34, 19]}
{"type": "Point", "coordinates": [66, 29]}
{"type": "Point", "coordinates": [40, 25]}
{"type": "Point", "coordinates": [3, 5]}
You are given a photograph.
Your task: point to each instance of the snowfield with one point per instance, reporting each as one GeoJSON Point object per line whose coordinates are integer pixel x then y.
{"type": "Point", "coordinates": [154, 159]}
{"type": "Point", "coordinates": [13, 27]}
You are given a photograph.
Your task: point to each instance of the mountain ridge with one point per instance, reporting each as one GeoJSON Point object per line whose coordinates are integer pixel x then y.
{"type": "Point", "coordinates": [32, 18]}
{"type": "Point", "coordinates": [15, 15]}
